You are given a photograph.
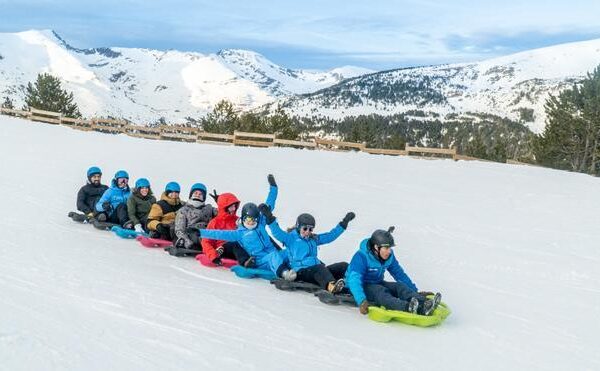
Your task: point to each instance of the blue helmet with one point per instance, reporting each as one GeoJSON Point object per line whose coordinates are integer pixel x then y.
{"type": "Point", "coordinates": [121, 174]}
{"type": "Point", "coordinates": [172, 187]}
{"type": "Point", "coordinates": [93, 171]}
{"type": "Point", "coordinates": [198, 187]}
{"type": "Point", "coordinates": [142, 182]}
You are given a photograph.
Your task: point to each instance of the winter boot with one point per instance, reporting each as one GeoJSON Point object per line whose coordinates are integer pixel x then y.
{"type": "Point", "coordinates": [128, 224]}
{"type": "Point", "coordinates": [413, 306]}
{"type": "Point", "coordinates": [289, 275]}
{"type": "Point", "coordinates": [430, 305]}
{"type": "Point", "coordinates": [101, 217]}
{"type": "Point", "coordinates": [337, 286]}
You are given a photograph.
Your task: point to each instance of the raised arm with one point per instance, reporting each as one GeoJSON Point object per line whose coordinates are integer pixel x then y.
{"type": "Point", "coordinates": [273, 190]}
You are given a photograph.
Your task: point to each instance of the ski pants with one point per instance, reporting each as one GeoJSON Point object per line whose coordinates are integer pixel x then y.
{"type": "Point", "coordinates": [391, 295]}
{"type": "Point", "coordinates": [119, 215]}
{"type": "Point", "coordinates": [322, 275]}
{"type": "Point", "coordinates": [233, 250]}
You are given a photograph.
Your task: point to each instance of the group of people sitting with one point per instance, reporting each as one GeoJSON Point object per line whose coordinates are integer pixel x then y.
{"type": "Point", "coordinates": [197, 227]}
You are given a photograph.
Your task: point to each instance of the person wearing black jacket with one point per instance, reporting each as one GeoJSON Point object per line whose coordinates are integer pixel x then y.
{"type": "Point", "coordinates": [89, 194]}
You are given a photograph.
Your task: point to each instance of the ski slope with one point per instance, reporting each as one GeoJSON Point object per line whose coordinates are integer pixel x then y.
{"type": "Point", "coordinates": [513, 249]}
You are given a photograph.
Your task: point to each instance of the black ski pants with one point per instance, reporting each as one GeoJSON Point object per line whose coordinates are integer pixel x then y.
{"type": "Point", "coordinates": [391, 295]}
{"type": "Point", "coordinates": [321, 275]}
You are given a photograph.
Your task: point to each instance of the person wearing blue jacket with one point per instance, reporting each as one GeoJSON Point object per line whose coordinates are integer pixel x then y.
{"type": "Point", "coordinates": [252, 236]}
{"type": "Point", "coordinates": [112, 206]}
{"type": "Point", "coordinates": [365, 274]}
{"type": "Point", "coordinates": [302, 247]}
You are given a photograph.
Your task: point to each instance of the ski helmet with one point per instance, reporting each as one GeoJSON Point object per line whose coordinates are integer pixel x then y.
{"type": "Point", "coordinates": [198, 187]}
{"type": "Point", "coordinates": [93, 171]}
{"type": "Point", "coordinates": [381, 238]}
{"type": "Point", "coordinates": [172, 187]}
{"type": "Point", "coordinates": [305, 219]}
{"type": "Point", "coordinates": [142, 182]}
{"type": "Point", "coordinates": [121, 174]}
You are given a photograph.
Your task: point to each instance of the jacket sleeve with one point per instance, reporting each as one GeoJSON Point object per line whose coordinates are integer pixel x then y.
{"type": "Point", "coordinates": [181, 224]}
{"type": "Point", "coordinates": [131, 210]}
{"type": "Point", "coordinates": [154, 217]}
{"type": "Point", "coordinates": [105, 197]}
{"type": "Point", "coordinates": [81, 205]}
{"type": "Point", "coordinates": [220, 234]}
{"type": "Point", "coordinates": [354, 277]}
{"type": "Point", "coordinates": [272, 197]}
{"type": "Point", "coordinates": [330, 236]}
{"type": "Point", "coordinates": [279, 233]}
{"type": "Point", "coordinates": [398, 273]}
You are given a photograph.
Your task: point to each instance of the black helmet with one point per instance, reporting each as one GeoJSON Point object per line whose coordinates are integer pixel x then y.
{"type": "Point", "coordinates": [382, 238]}
{"type": "Point", "coordinates": [250, 210]}
{"type": "Point", "coordinates": [305, 219]}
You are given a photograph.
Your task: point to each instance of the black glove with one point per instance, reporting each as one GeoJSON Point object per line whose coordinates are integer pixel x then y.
{"type": "Point", "coordinates": [266, 211]}
{"type": "Point", "coordinates": [347, 219]}
{"type": "Point", "coordinates": [220, 250]}
{"type": "Point", "coordinates": [271, 180]}
{"type": "Point", "coordinates": [217, 261]}
{"type": "Point", "coordinates": [164, 230]}
{"type": "Point", "coordinates": [106, 206]}
{"type": "Point", "coordinates": [214, 195]}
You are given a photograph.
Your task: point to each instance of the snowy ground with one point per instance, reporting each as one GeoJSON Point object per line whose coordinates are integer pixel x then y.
{"type": "Point", "coordinates": [513, 249]}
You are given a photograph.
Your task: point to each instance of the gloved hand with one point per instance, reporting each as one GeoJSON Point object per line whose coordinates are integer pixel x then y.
{"type": "Point", "coordinates": [426, 293]}
{"type": "Point", "coordinates": [138, 228]}
{"type": "Point", "coordinates": [217, 261]}
{"type": "Point", "coordinates": [106, 206]}
{"type": "Point", "coordinates": [163, 229]}
{"type": "Point", "coordinates": [347, 219]}
{"type": "Point", "coordinates": [266, 211]}
{"type": "Point", "coordinates": [364, 307]}
{"type": "Point", "coordinates": [214, 195]}
{"type": "Point", "coordinates": [220, 250]}
{"type": "Point", "coordinates": [271, 180]}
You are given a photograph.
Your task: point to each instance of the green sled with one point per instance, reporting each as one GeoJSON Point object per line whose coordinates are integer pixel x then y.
{"type": "Point", "coordinates": [380, 314]}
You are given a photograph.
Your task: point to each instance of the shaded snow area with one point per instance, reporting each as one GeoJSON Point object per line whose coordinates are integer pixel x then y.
{"type": "Point", "coordinates": [514, 250]}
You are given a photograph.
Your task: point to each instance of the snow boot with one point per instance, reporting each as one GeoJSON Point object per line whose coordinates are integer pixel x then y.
{"type": "Point", "coordinates": [289, 275]}
{"type": "Point", "coordinates": [101, 217]}
{"type": "Point", "coordinates": [337, 286]}
{"type": "Point", "coordinates": [413, 306]}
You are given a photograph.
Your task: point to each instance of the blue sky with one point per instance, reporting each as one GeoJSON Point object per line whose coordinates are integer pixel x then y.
{"type": "Point", "coordinates": [317, 34]}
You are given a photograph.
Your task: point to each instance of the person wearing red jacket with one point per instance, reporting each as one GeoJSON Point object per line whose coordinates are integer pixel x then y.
{"type": "Point", "coordinates": [227, 205]}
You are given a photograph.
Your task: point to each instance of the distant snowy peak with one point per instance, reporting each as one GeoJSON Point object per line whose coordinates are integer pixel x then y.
{"type": "Point", "coordinates": [515, 86]}
{"type": "Point", "coordinates": [144, 85]}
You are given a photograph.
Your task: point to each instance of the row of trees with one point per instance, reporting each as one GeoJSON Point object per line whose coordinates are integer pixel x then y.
{"type": "Point", "coordinates": [570, 141]}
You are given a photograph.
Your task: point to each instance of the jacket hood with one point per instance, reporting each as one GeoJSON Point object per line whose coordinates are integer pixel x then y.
{"type": "Point", "coordinates": [225, 200]}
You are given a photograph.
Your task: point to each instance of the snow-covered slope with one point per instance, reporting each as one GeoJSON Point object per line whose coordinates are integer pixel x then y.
{"type": "Point", "coordinates": [143, 85]}
{"type": "Point", "coordinates": [501, 86]}
{"type": "Point", "coordinates": [513, 249]}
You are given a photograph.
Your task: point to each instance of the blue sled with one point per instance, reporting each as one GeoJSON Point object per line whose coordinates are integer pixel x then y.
{"type": "Point", "coordinates": [252, 273]}
{"type": "Point", "coordinates": [126, 233]}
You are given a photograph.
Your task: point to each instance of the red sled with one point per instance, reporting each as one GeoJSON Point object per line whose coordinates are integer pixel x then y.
{"type": "Point", "coordinates": [153, 242]}
{"type": "Point", "coordinates": [204, 260]}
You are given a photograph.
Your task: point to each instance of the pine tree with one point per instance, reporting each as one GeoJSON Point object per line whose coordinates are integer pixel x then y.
{"type": "Point", "coordinates": [47, 94]}
{"type": "Point", "coordinates": [8, 103]}
{"type": "Point", "coordinates": [222, 120]}
{"type": "Point", "coordinates": [282, 125]}
{"type": "Point", "coordinates": [571, 138]}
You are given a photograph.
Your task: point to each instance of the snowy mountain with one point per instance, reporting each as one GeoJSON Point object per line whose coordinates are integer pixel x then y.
{"type": "Point", "coordinates": [512, 248]}
{"type": "Point", "coordinates": [143, 85]}
{"type": "Point", "coordinates": [514, 86]}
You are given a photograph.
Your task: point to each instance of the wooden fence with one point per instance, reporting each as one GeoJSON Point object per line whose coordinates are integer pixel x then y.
{"type": "Point", "coordinates": [239, 138]}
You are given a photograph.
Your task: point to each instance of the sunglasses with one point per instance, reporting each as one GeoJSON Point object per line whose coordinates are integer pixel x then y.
{"type": "Point", "coordinates": [387, 247]}
{"type": "Point", "coordinates": [307, 228]}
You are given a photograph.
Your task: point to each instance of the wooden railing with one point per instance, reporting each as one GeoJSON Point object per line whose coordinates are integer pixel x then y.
{"type": "Point", "coordinates": [239, 138]}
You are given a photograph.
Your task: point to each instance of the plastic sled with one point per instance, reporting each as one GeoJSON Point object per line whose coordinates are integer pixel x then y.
{"type": "Point", "coordinates": [252, 273]}
{"type": "Point", "coordinates": [153, 242]}
{"type": "Point", "coordinates": [381, 314]}
{"type": "Point", "coordinates": [126, 233]}
{"type": "Point", "coordinates": [204, 260]}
